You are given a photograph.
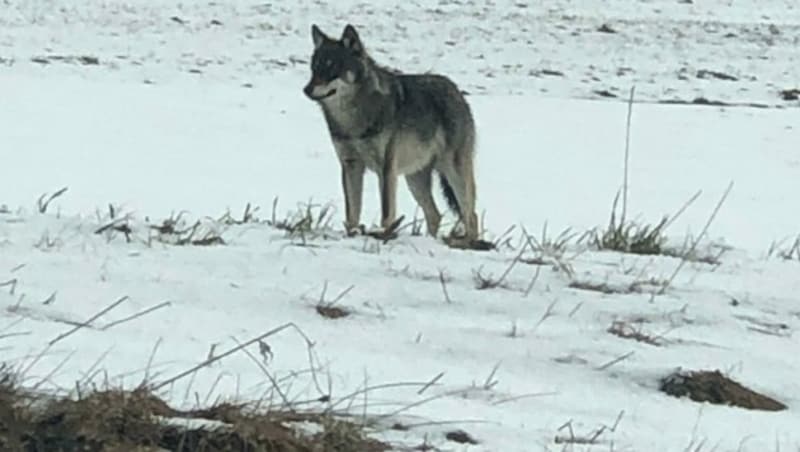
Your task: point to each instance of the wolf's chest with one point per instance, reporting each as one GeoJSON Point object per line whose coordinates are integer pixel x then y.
{"type": "Point", "coordinates": [372, 151]}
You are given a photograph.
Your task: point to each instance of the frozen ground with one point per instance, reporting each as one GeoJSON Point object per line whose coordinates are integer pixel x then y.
{"type": "Point", "coordinates": [182, 114]}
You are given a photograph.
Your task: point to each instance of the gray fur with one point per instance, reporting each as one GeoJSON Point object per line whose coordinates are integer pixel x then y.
{"type": "Point", "coordinates": [394, 124]}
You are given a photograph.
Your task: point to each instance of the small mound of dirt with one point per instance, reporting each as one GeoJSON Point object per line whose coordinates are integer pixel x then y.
{"type": "Point", "coordinates": [790, 94]}
{"type": "Point", "coordinates": [461, 437]}
{"type": "Point", "coordinates": [713, 387]}
{"type": "Point", "coordinates": [332, 312]}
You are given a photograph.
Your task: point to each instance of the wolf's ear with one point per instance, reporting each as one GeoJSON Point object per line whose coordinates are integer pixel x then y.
{"type": "Point", "coordinates": [351, 40]}
{"type": "Point", "coordinates": [317, 36]}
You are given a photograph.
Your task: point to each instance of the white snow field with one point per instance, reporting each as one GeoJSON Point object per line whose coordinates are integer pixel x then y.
{"type": "Point", "coordinates": [196, 107]}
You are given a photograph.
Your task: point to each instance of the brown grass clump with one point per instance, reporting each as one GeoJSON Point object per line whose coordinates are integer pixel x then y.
{"type": "Point", "coordinates": [116, 421]}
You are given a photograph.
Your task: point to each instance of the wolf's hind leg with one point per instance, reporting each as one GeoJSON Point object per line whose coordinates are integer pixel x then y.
{"type": "Point", "coordinates": [421, 186]}
{"type": "Point", "coordinates": [461, 178]}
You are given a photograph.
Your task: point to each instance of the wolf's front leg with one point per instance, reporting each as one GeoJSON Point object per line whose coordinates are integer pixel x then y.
{"type": "Point", "coordinates": [353, 187]}
{"type": "Point", "coordinates": [388, 187]}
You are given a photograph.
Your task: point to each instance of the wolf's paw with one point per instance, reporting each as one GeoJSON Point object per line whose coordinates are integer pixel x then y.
{"type": "Point", "coordinates": [463, 243]}
{"type": "Point", "coordinates": [387, 233]}
{"type": "Point", "coordinates": [353, 231]}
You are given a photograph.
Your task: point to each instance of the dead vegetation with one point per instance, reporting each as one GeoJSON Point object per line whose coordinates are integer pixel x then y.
{"type": "Point", "coordinates": [714, 387]}
{"type": "Point", "coordinates": [330, 309]}
{"type": "Point", "coordinates": [534, 251]}
{"type": "Point", "coordinates": [552, 251]}
{"type": "Point", "coordinates": [626, 330]}
{"type": "Point", "coordinates": [568, 435]}
{"type": "Point", "coordinates": [781, 250]}
{"type": "Point", "coordinates": [116, 420]}
{"type": "Point", "coordinates": [637, 237]}
{"type": "Point", "coordinates": [631, 237]}
{"type": "Point", "coordinates": [85, 60]}
{"type": "Point", "coordinates": [309, 221]}
{"type": "Point", "coordinates": [44, 201]}
{"type": "Point", "coordinates": [621, 234]}
{"type": "Point", "coordinates": [607, 288]}
{"type": "Point", "coordinates": [174, 231]}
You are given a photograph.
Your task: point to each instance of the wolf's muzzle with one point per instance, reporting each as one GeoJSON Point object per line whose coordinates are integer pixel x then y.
{"type": "Point", "coordinates": [311, 87]}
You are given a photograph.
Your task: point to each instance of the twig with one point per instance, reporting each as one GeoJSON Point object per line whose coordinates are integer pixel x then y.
{"type": "Point", "coordinates": [12, 283]}
{"type": "Point", "coordinates": [43, 204]}
{"type": "Point", "coordinates": [88, 322]}
{"type": "Point", "coordinates": [503, 235]}
{"type": "Point", "coordinates": [420, 402]}
{"type": "Point", "coordinates": [615, 361]}
{"type": "Point", "coordinates": [22, 333]}
{"type": "Point", "coordinates": [490, 381]}
{"type": "Point", "coordinates": [231, 351]}
{"type": "Point", "coordinates": [135, 316]}
{"type": "Point", "coordinates": [358, 392]}
{"type": "Point", "coordinates": [486, 283]}
{"type": "Point", "coordinates": [533, 280]}
{"type": "Point", "coordinates": [547, 314]}
{"type": "Point", "coordinates": [440, 423]}
{"type": "Point", "coordinates": [444, 287]}
{"type": "Point", "coordinates": [431, 383]}
{"type": "Point", "coordinates": [52, 372]}
{"type": "Point", "coordinates": [342, 294]}
{"type": "Point", "coordinates": [680, 211]}
{"type": "Point", "coordinates": [691, 250]}
{"type": "Point", "coordinates": [266, 372]}
{"type": "Point", "coordinates": [627, 155]}
{"type": "Point", "coordinates": [90, 372]}
{"type": "Point", "coordinates": [150, 361]}
{"type": "Point", "coordinates": [523, 396]}
{"type": "Point", "coordinates": [575, 309]}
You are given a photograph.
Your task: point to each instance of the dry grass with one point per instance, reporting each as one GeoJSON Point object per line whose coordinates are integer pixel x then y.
{"type": "Point", "coordinates": [626, 330]}
{"type": "Point", "coordinates": [631, 237]}
{"type": "Point", "coordinates": [308, 222]}
{"type": "Point", "coordinates": [781, 250]}
{"type": "Point", "coordinates": [116, 420]}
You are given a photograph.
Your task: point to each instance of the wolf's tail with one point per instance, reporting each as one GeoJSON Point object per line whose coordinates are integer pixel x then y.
{"type": "Point", "coordinates": [449, 194]}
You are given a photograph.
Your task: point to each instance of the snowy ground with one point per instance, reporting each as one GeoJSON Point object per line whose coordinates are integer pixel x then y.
{"type": "Point", "coordinates": [185, 114]}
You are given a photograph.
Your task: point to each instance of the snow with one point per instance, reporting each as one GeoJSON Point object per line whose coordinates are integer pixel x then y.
{"type": "Point", "coordinates": [550, 151]}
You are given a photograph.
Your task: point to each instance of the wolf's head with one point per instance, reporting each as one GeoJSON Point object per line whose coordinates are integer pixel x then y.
{"type": "Point", "coordinates": [337, 66]}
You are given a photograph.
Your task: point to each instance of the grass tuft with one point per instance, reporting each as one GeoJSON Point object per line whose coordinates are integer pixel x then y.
{"type": "Point", "coordinates": [631, 237]}
{"type": "Point", "coordinates": [138, 420]}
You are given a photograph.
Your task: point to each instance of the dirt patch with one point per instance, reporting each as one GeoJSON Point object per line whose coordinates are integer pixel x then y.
{"type": "Point", "coordinates": [139, 421]}
{"type": "Point", "coordinates": [713, 387]}
{"type": "Point", "coordinates": [790, 94]}
{"type": "Point", "coordinates": [85, 60]}
{"type": "Point", "coordinates": [461, 437]}
{"type": "Point", "coordinates": [330, 311]}
{"type": "Point", "coordinates": [713, 103]}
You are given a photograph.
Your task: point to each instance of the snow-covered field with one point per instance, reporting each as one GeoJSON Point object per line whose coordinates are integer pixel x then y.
{"type": "Point", "coordinates": [197, 107]}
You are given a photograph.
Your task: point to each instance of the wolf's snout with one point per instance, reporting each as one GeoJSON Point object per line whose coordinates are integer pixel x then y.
{"type": "Point", "coordinates": [309, 89]}
{"type": "Point", "coordinates": [313, 88]}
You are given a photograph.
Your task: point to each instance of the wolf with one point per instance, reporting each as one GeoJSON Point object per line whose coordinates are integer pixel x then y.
{"type": "Point", "coordinates": [394, 124]}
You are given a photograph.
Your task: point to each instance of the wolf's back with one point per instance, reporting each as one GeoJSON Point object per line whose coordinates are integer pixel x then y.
{"type": "Point", "coordinates": [434, 101]}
